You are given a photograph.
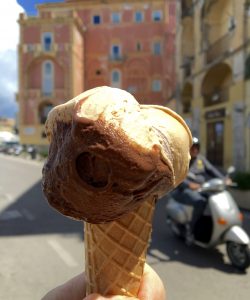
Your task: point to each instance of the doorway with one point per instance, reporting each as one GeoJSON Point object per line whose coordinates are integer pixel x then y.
{"type": "Point", "coordinates": [215, 143]}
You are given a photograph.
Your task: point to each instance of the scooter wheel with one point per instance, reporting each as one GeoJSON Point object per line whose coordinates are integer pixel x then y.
{"type": "Point", "coordinates": [239, 255]}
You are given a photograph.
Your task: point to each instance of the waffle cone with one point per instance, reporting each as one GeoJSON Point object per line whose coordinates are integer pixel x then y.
{"type": "Point", "coordinates": [116, 252]}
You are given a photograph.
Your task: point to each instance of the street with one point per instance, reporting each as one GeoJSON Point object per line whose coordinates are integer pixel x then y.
{"type": "Point", "coordinates": [40, 249]}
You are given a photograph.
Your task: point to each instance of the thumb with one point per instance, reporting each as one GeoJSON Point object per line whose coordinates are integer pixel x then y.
{"type": "Point", "coordinates": [99, 297]}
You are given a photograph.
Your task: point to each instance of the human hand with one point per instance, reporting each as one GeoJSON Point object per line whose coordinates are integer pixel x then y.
{"type": "Point", "coordinates": [151, 289]}
{"type": "Point", "coordinates": [74, 289]}
{"type": "Point", "coordinates": [194, 186]}
{"type": "Point", "coordinates": [228, 181]}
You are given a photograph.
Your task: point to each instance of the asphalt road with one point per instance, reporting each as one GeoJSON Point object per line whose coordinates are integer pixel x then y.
{"type": "Point", "coordinates": [39, 248]}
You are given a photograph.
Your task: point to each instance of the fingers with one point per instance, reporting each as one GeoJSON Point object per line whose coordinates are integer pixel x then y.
{"type": "Point", "coordinates": [151, 287]}
{"type": "Point", "coordinates": [74, 289]}
{"type": "Point", "coordinates": [99, 297]}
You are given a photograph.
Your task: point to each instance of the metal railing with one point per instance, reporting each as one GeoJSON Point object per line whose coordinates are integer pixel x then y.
{"type": "Point", "coordinates": [117, 58]}
{"type": "Point", "coordinates": [38, 94]}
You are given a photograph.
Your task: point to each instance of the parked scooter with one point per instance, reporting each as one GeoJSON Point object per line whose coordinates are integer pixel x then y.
{"type": "Point", "coordinates": [220, 223]}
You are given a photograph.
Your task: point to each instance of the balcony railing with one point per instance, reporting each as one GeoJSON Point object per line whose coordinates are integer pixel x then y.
{"type": "Point", "coordinates": [215, 97]}
{"type": "Point", "coordinates": [38, 49]}
{"type": "Point", "coordinates": [38, 94]}
{"type": "Point", "coordinates": [117, 58]}
{"type": "Point", "coordinates": [218, 48]}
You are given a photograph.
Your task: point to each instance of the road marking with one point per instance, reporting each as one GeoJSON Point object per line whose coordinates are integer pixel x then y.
{"type": "Point", "coordinates": [10, 214]}
{"type": "Point", "coordinates": [65, 255]}
{"type": "Point", "coordinates": [28, 215]}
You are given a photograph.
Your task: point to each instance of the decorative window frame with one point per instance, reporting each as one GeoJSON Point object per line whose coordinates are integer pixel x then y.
{"type": "Point", "coordinates": [114, 20]}
{"type": "Point", "coordinates": [142, 16]}
{"type": "Point", "coordinates": [157, 15]}
{"type": "Point", "coordinates": [44, 93]}
{"type": "Point", "coordinates": [156, 85]}
{"type": "Point", "coordinates": [44, 35]}
{"type": "Point", "coordinates": [116, 83]}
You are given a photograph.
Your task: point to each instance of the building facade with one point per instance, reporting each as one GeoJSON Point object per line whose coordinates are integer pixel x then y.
{"type": "Point", "coordinates": [213, 67]}
{"type": "Point", "coordinates": [77, 45]}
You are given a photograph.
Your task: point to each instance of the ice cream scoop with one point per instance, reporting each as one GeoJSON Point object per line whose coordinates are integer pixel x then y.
{"type": "Point", "coordinates": [107, 153]}
{"type": "Point", "coordinates": [109, 156]}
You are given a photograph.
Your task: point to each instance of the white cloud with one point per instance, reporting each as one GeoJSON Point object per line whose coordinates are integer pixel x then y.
{"type": "Point", "coordinates": [9, 39]}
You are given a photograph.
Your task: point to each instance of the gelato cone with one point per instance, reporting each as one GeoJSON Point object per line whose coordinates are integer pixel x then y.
{"type": "Point", "coordinates": [116, 252]}
{"type": "Point", "coordinates": [110, 159]}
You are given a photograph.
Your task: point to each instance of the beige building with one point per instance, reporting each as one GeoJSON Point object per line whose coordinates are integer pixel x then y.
{"type": "Point", "coordinates": [213, 69]}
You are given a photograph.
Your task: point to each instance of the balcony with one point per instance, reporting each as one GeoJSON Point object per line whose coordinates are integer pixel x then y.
{"type": "Point", "coordinates": [38, 50]}
{"type": "Point", "coordinates": [38, 94]}
{"type": "Point", "coordinates": [217, 96]}
{"type": "Point", "coordinates": [219, 48]}
{"type": "Point", "coordinates": [117, 58]}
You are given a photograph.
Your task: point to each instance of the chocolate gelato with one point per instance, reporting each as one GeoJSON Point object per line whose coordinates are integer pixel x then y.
{"type": "Point", "coordinates": [108, 153]}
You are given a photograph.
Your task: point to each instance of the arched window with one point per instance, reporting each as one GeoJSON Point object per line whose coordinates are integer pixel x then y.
{"type": "Point", "coordinates": [116, 78]}
{"type": "Point", "coordinates": [47, 78]}
{"type": "Point", "coordinates": [44, 110]}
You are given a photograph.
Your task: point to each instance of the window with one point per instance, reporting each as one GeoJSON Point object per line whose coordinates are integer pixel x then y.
{"type": "Point", "coordinates": [116, 17]}
{"type": "Point", "coordinates": [47, 78]}
{"type": "Point", "coordinates": [138, 16]}
{"type": "Point", "coordinates": [157, 48]}
{"type": "Point", "coordinates": [156, 85]}
{"type": "Point", "coordinates": [47, 41]}
{"type": "Point", "coordinates": [132, 89]}
{"type": "Point", "coordinates": [44, 110]}
{"type": "Point", "coordinates": [138, 46]}
{"type": "Point", "coordinates": [96, 19]}
{"type": "Point", "coordinates": [115, 52]}
{"type": "Point", "coordinates": [157, 15]}
{"type": "Point", "coordinates": [116, 78]}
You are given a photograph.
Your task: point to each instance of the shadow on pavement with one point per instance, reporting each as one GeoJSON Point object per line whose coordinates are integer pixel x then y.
{"type": "Point", "coordinates": [165, 247]}
{"type": "Point", "coordinates": [31, 214]}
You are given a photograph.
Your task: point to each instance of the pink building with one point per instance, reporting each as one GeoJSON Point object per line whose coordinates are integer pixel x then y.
{"type": "Point", "coordinates": [77, 45]}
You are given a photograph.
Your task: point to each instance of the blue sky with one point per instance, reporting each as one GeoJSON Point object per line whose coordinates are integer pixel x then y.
{"type": "Point", "coordinates": [30, 5]}
{"type": "Point", "coordinates": [9, 39]}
